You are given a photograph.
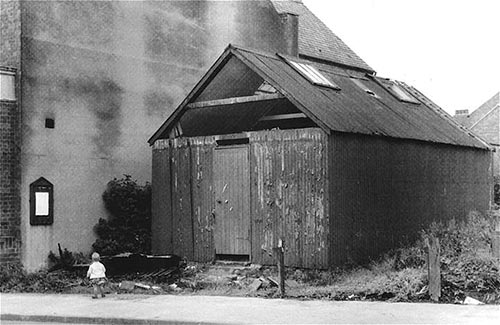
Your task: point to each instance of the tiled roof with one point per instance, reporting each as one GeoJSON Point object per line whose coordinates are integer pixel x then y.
{"type": "Point", "coordinates": [316, 39]}
{"type": "Point", "coordinates": [484, 109]}
{"type": "Point", "coordinates": [351, 109]}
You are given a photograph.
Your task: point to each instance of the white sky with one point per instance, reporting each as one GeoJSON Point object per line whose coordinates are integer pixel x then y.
{"type": "Point", "coordinates": [448, 49]}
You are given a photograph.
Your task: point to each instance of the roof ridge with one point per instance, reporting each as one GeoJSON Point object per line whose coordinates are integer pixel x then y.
{"type": "Point", "coordinates": [252, 50]}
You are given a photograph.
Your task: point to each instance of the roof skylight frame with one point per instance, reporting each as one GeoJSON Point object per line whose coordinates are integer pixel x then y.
{"type": "Point", "coordinates": [401, 93]}
{"type": "Point", "coordinates": [312, 74]}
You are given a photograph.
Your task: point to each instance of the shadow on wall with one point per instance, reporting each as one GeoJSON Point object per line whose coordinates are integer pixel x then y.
{"type": "Point", "coordinates": [103, 98]}
{"type": "Point", "coordinates": [77, 22]}
{"type": "Point", "coordinates": [173, 30]}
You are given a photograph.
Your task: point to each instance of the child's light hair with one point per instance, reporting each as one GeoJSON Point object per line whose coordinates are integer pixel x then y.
{"type": "Point", "coordinates": [95, 257]}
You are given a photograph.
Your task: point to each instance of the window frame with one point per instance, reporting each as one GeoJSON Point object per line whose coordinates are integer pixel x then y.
{"type": "Point", "coordinates": [8, 80]}
{"type": "Point", "coordinates": [401, 94]}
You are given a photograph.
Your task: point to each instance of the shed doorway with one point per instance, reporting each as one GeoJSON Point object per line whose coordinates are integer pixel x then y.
{"type": "Point", "coordinates": [232, 202]}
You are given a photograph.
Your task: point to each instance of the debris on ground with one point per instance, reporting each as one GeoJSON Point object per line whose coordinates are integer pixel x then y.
{"type": "Point", "coordinates": [127, 286]}
{"type": "Point", "coordinates": [472, 301]}
{"type": "Point", "coordinates": [143, 286]}
{"type": "Point", "coordinates": [273, 281]}
{"type": "Point", "coordinates": [147, 265]}
{"type": "Point", "coordinates": [256, 284]}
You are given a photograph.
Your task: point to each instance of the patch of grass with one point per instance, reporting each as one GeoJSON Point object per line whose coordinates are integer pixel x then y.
{"type": "Point", "coordinates": [467, 268]}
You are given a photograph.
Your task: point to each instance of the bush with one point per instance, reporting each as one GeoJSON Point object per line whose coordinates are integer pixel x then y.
{"type": "Point", "coordinates": [128, 228]}
{"type": "Point", "coordinates": [64, 260]}
{"type": "Point", "coordinates": [463, 237]}
{"type": "Point", "coordinates": [466, 263]}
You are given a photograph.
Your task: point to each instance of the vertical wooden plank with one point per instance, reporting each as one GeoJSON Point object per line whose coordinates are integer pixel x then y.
{"type": "Point", "coordinates": [182, 220]}
{"type": "Point", "coordinates": [201, 162]}
{"type": "Point", "coordinates": [161, 230]}
{"type": "Point", "coordinates": [260, 250]}
{"type": "Point", "coordinates": [495, 240]}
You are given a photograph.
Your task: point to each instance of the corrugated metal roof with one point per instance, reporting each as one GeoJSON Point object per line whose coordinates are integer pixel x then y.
{"type": "Point", "coordinates": [351, 109]}
{"type": "Point", "coordinates": [354, 111]}
{"type": "Point", "coordinates": [316, 39]}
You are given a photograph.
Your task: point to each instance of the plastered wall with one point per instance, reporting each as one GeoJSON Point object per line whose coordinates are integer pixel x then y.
{"type": "Point", "coordinates": [109, 73]}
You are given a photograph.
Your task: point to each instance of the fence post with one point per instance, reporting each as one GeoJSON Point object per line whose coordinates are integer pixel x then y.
{"type": "Point", "coordinates": [495, 240]}
{"type": "Point", "coordinates": [433, 267]}
{"type": "Point", "coordinates": [280, 261]}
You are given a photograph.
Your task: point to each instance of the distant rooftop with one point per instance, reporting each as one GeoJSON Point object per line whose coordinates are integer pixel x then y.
{"type": "Point", "coordinates": [485, 120]}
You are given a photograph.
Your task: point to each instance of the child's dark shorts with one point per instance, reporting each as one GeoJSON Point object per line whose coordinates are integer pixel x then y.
{"type": "Point", "coordinates": [98, 281]}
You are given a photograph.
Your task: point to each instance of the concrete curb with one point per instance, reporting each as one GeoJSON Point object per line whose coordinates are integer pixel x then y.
{"type": "Point", "coordinates": [92, 320]}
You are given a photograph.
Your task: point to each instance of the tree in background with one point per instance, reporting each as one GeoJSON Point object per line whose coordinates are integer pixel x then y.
{"type": "Point", "coordinates": [128, 228]}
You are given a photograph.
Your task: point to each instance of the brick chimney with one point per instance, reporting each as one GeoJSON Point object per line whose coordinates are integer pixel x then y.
{"type": "Point", "coordinates": [290, 28]}
{"type": "Point", "coordinates": [461, 112]}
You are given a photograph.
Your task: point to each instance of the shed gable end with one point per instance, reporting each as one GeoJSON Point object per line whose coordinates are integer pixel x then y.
{"type": "Point", "coordinates": [233, 97]}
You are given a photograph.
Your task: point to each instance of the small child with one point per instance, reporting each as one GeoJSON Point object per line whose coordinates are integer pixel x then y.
{"type": "Point", "coordinates": [97, 275]}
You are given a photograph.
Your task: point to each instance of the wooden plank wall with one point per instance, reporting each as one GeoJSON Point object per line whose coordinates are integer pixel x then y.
{"type": "Point", "coordinates": [182, 198]}
{"type": "Point", "coordinates": [288, 196]}
{"type": "Point", "coordinates": [383, 191]}
{"type": "Point", "coordinates": [288, 188]}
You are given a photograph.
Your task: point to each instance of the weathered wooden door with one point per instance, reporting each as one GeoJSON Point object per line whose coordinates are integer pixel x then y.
{"type": "Point", "coordinates": [232, 200]}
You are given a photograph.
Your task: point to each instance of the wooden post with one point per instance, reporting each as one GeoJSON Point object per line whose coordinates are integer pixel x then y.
{"type": "Point", "coordinates": [495, 241]}
{"type": "Point", "coordinates": [280, 262]}
{"type": "Point", "coordinates": [433, 267]}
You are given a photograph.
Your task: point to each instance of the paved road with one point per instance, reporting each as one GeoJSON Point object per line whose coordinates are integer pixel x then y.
{"type": "Point", "coordinates": [13, 322]}
{"type": "Point", "coordinates": [168, 309]}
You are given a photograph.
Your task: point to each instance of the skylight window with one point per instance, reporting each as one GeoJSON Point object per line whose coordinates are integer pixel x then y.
{"type": "Point", "coordinates": [401, 94]}
{"type": "Point", "coordinates": [312, 74]}
{"type": "Point", "coordinates": [361, 85]}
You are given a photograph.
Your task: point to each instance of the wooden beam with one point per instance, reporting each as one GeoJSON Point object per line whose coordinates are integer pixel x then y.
{"type": "Point", "coordinates": [234, 100]}
{"type": "Point", "coordinates": [283, 117]}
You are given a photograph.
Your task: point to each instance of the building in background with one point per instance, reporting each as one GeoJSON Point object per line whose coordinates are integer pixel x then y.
{"type": "Point", "coordinates": [485, 122]}
{"type": "Point", "coordinates": [92, 80]}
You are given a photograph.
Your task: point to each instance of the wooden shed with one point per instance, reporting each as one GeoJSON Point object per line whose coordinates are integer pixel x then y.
{"type": "Point", "coordinates": [339, 164]}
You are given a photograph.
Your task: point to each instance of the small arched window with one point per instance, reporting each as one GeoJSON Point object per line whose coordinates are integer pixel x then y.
{"type": "Point", "coordinates": [41, 202]}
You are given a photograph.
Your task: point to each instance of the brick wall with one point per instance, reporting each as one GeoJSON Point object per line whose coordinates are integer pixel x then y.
{"type": "Point", "coordinates": [10, 202]}
{"type": "Point", "coordinates": [10, 219]}
{"type": "Point", "coordinates": [10, 33]}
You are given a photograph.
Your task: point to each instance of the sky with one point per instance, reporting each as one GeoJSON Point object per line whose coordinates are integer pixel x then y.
{"type": "Point", "coordinates": [448, 49]}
